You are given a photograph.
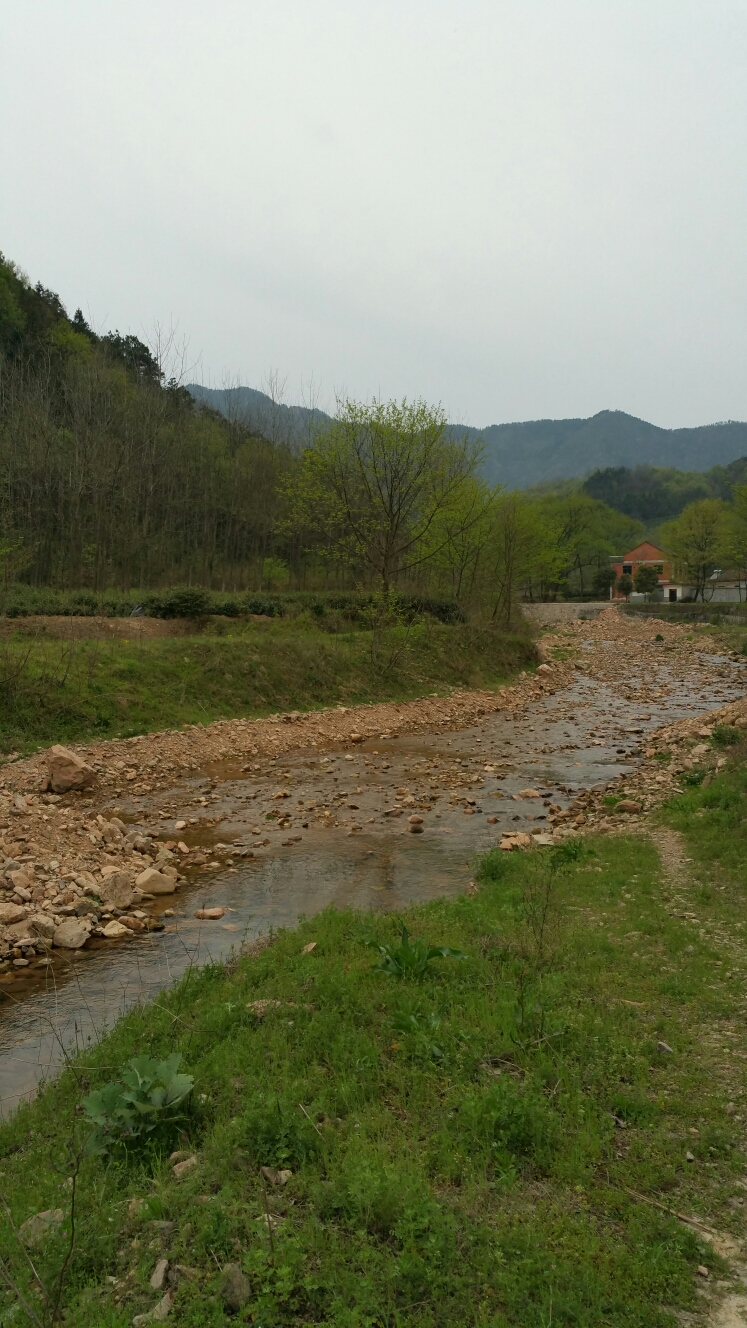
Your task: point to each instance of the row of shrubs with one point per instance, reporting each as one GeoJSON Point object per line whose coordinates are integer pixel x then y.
{"type": "Point", "coordinates": [21, 601]}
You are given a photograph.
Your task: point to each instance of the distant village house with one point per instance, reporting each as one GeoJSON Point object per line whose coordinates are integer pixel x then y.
{"type": "Point", "coordinates": [722, 587]}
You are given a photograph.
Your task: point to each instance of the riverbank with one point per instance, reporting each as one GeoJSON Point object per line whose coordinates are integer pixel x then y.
{"type": "Point", "coordinates": [76, 689]}
{"type": "Point", "coordinates": [551, 1125]}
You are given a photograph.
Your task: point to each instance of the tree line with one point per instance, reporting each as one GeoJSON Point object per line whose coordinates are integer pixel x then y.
{"type": "Point", "coordinates": [111, 474]}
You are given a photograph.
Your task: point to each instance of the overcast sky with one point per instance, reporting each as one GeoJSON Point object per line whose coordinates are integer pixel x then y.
{"type": "Point", "coordinates": [519, 208]}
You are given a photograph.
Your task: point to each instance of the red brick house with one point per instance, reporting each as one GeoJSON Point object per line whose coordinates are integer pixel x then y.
{"type": "Point", "coordinates": [645, 555]}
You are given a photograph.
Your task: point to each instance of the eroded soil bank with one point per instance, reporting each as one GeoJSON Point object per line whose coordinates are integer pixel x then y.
{"type": "Point", "coordinates": [277, 818]}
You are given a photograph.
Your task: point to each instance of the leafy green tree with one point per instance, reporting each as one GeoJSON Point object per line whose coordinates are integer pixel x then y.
{"type": "Point", "coordinates": [603, 580]}
{"type": "Point", "coordinates": [736, 533]}
{"type": "Point", "coordinates": [625, 584]}
{"type": "Point", "coordinates": [646, 578]}
{"type": "Point", "coordinates": [523, 550]}
{"type": "Point", "coordinates": [374, 483]}
{"type": "Point", "coordinates": [698, 541]}
{"type": "Point", "coordinates": [587, 533]}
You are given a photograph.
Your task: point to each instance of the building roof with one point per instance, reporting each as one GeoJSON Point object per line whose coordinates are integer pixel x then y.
{"type": "Point", "coordinates": [643, 553]}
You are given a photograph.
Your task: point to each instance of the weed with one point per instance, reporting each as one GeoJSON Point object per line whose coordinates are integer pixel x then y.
{"type": "Point", "coordinates": [420, 1030]}
{"type": "Point", "coordinates": [726, 735]}
{"type": "Point", "coordinates": [410, 959]}
{"type": "Point", "coordinates": [125, 1112]}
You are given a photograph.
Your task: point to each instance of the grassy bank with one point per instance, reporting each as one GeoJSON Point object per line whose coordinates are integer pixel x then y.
{"type": "Point", "coordinates": [52, 690]}
{"type": "Point", "coordinates": [504, 1141]}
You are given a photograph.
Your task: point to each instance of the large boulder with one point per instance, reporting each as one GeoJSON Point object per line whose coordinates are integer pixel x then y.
{"type": "Point", "coordinates": [116, 891]}
{"type": "Point", "coordinates": [67, 771]}
{"type": "Point", "coordinates": [154, 883]}
{"type": "Point", "coordinates": [10, 913]}
{"type": "Point", "coordinates": [71, 934]}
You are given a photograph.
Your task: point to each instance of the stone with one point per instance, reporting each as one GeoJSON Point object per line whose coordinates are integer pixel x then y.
{"type": "Point", "coordinates": [210, 914]}
{"type": "Point", "coordinates": [155, 883]}
{"type": "Point", "coordinates": [18, 932]}
{"type": "Point", "coordinates": [665, 1047]}
{"type": "Point", "coordinates": [529, 793]}
{"type": "Point", "coordinates": [702, 1271]}
{"type": "Point", "coordinates": [629, 806]}
{"type": "Point", "coordinates": [158, 1276]}
{"type": "Point", "coordinates": [415, 820]}
{"type": "Point", "coordinates": [416, 829]}
{"type": "Point", "coordinates": [10, 913]}
{"type": "Point", "coordinates": [544, 668]}
{"type": "Point", "coordinates": [689, 1157]}
{"type": "Point", "coordinates": [235, 1288]}
{"type": "Point", "coordinates": [517, 840]}
{"type": "Point", "coordinates": [132, 923]}
{"type": "Point", "coordinates": [21, 883]}
{"type": "Point", "coordinates": [114, 929]}
{"type": "Point", "coordinates": [71, 934]}
{"type": "Point", "coordinates": [180, 825]}
{"type": "Point", "coordinates": [158, 1314]}
{"type": "Point", "coordinates": [35, 1228]}
{"type": "Point", "coordinates": [275, 1177]}
{"type": "Point", "coordinates": [42, 925]}
{"type": "Point", "coordinates": [116, 891]}
{"type": "Point", "coordinates": [310, 948]}
{"type": "Point", "coordinates": [182, 1168]}
{"type": "Point", "coordinates": [357, 737]}
{"type": "Point", "coordinates": [67, 771]}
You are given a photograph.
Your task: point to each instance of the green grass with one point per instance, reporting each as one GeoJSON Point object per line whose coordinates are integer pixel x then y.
{"type": "Point", "coordinates": [453, 1142]}
{"type": "Point", "coordinates": [52, 690]}
{"type": "Point", "coordinates": [713, 816]}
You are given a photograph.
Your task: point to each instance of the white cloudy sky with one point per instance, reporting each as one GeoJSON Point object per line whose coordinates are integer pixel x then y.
{"type": "Point", "coordinates": [521, 208]}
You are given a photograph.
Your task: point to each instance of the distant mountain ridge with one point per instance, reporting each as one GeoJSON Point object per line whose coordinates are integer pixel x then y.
{"type": "Point", "coordinates": [535, 451]}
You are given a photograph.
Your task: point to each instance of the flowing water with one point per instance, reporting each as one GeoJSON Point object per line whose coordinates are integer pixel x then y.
{"type": "Point", "coordinates": [52, 1010]}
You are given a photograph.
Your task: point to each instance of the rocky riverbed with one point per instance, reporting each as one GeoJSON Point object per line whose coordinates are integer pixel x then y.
{"type": "Point", "coordinates": [249, 823]}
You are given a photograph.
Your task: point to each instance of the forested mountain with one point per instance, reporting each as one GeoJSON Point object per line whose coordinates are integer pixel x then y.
{"type": "Point", "coordinates": [520, 456]}
{"type": "Point", "coordinates": [292, 425]}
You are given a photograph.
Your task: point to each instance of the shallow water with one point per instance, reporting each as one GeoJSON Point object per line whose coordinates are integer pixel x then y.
{"type": "Point", "coordinates": [51, 1010]}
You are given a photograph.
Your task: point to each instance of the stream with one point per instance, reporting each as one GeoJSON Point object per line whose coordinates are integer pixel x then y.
{"type": "Point", "coordinates": [68, 1004]}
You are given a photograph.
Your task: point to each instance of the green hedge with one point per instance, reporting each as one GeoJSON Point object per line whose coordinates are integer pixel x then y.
{"type": "Point", "coordinates": [20, 601]}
